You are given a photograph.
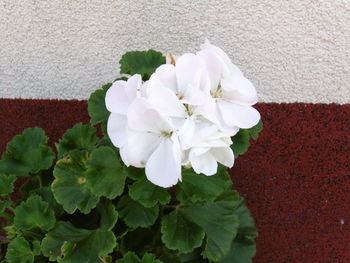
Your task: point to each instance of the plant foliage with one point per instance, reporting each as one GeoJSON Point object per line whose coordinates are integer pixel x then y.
{"type": "Point", "coordinates": [88, 207]}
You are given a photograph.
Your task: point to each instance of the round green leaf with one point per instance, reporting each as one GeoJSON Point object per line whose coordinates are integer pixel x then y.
{"type": "Point", "coordinates": [96, 105]}
{"type": "Point", "coordinates": [105, 174]}
{"type": "Point", "coordinates": [108, 215]}
{"type": "Point", "coordinates": [218, 221]}
{"type": "Point", "coordinates": [131, 257]}
{"type": "Point", "coordinates": [68, 244]}
{"type": "Point", "coordinates": [136, 215]}
{"type": "Point", "coordinates": [199, 187]}
{"type": "Point", "coordinates": [69, 187]}
{"type": "Point", "coordinates": [141, 62]}
{"type": "Point", "coordinates": [80, 137]}
{"type": "Point", "coordinates": [18, 251]}
{"type": "Point", "coordinates": [180, 234]}
{"type": "Point", "coordinates": [27, 154]}
{"type": "Point", "coordinates": [6, 184]}
{"type": "Point", "coordinates": [148, 194]}
{"type": "Point", "coordinates": [32, 213]}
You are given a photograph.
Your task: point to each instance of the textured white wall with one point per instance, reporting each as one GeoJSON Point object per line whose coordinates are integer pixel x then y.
{"type": "Point", "coordinates": [292, 50]}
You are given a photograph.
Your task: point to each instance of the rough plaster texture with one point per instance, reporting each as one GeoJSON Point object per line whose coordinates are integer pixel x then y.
{"type": "Point", "coordinates": [291, 50]}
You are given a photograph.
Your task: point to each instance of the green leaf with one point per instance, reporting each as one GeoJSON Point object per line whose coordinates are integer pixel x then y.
{"type": "Point", "coordinates": [69, 187]}
{"type": "Point", "coordinates": [254, 131]}
{"type": "Point", "coordinates": [36, 247]}
{"type": "Point", "coordinates": [3, 205]}
{"type": "Point", "coordinates": [180, 234]}
{"type": "Point", "coordinates": [46, 194]}
{"type": "Point", "coordinates": [6, 184]}
{"type": "Point", "coordinates": [242, 251]}
{"type": "Point", "coordinates": [141, 62]}
{"type": "Point", "coordinates": [18, 251]}
{"type": "Point", "coordinates": [68, 244]}
{"type": "Point", "coordinates": [80, 137]}
{"type": "Point", "coordinates": [241, 139]}
{"type": "Point", "coordinates": [131, 257]}
{"type": "Point", "coordinates": [32, 213]}
{"type": "Point", "coordinates": [105, 175]}
{"type": "Point", "coordinates": [198, 187]}
{"type": "Point", "coordinates": [218, 222]}
{"type": "Point", "coordinates": [27, 154]}
{"type": "Point", "coordinates": [240, 142]}
{"type": "Point", "coordinates": [148, 194]}
{"type": "Point", "coordinates": [135, 173]}
{"type": "Point", "coordinates": [96, 105]}
{"type": "Point", "coordinates": [136, 215]}
{"type": "Point", "coordinates": [108, 214]}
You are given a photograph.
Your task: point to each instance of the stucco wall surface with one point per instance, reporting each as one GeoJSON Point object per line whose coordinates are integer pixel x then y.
{"type": "Point", "coordinates": [291, 50]}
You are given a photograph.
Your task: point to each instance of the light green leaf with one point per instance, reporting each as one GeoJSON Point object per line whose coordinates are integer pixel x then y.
{"type": "Point", "coordinates": [68, 244]}
{"type": "Point", "coordinates": [105, 175]}
{"type": "Point", "coordinates": [254, 131]}
{"type": "Point", "coordinates": [32, 213]}
{"type": "Point", "coordinates": [218, 222]}
{"type": "Point", "coordinates": [27, 154]}
{"type": "Point", "coordinates": [198, 187]}
{"type": "Point", "coordinates": [6, 184]}
{"type": "Point", "coordinates": [180, 234]}
{"type": "Point", "coordinates": [80, 137]}
{"type": "Point", "coordinates": [148, 194]}
{"type": "Point", "coordinates": [18, 251]}
{"type": "Point", "coordinates": [70, 188]}
{"type": "Point", "coordinates": [136, 215]}
{"type": "Point", "coordinates": [96, 105]}
{"type": "Point", "coordinates": [141, 62]}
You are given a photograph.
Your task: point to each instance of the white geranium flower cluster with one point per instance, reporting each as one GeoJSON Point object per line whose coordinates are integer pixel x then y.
{"type": "Point", "coordinates": [184, 115]}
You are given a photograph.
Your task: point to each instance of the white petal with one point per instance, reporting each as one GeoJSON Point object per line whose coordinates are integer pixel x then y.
{"type": "Point", "coordinates": [236, 115]}
{"type": "Point", "coordinates": [140, 147]}
{"type": "Point", "coordinates": [132, 86]}
{"type": "Point", "coordinates": [239, 90]}
{"type": "Point", "coordinates": [116, 99]}
{"type": "Point", "coordinates": [204, 163]}
{"type": "Point", "coordinates": [213, 66]}
{"type": "Point", "coordinates": [117, 129]}
{"type": "Point", "coordinates": [164, 76]}
{"type": "Point", "coordinates": [163, 168]}
{"type": "Point", "coordinates": [142, 117]}
{"type": "Point", "coordinates": [223, 155]}
{"type": "Point", "coordinates": [229, 69]}
{"type": "Point", "coordinates": [165, 101]}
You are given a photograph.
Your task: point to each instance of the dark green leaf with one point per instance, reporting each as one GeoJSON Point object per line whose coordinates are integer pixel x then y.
{"type": "Point", "coordinates": [180, 234]}
{"type": "Point", "coordinates": [218, 222]}
{"type": "Point", "coordinates": [70, 188]}
{"type": "Point", "coordinates": [80, 137]}
{"type": "Point", "coordinates": [141, 62]}
{"type": "Point", "coordinates": [108, 214]}
{"type": "Point", "coordinates": [240, 142]}
{"type": "Point", "coordinates": [131, 257]}
{"type": "Point", "coordinates": [242, 251]}
{"type": "Point", "coordinates": [27, 154]}
{"type": "Point", "coordinates": [198, 187]}
{"type": "Point", "coordinates": [136, 215]}
{"type": "Point", "coordinates": [18, 251]}
{"type": "Point", "coordinates": [148, 194]}
{"type": "Point", "coordinates": [32, 213]}
{"type": "Point", "coordinates": [3, 205]}
{"type": "Point", "coordinates": [105, 175]}
{"type": "Point", "coordinates": [96, 105]}
{"type": "Point", "coordinates": [6, 184]}
{"type": "Point", "coordinates": [68, 244]}
{"type": "Point", "coordinates": [47, 195]}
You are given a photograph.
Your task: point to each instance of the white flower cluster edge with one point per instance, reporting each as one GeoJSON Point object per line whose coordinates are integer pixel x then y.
{"type": "Point", "coordinates": [184, 115]}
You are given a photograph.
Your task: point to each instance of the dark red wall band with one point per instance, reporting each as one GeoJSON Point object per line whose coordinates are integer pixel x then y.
{"type": "Point", "coordinates": [295, 178]}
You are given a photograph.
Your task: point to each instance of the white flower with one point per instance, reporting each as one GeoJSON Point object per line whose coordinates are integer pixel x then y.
{"type": "Point", "coordinates": [232, 94]}
{"type": "Point", "coordinates": [204, 156]}
{"type": "Point", "coordinates": [153, 144]}
{"type": "Point", "coordinates": [118, 99]}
